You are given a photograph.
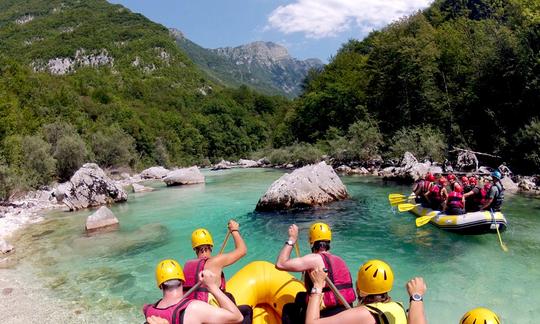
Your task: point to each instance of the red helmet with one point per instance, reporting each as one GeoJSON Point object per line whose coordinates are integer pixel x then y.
{"type": "Point", "coordinates": [458, 188]}
{"type": "Point", "coordinates": [464, 180]}
{"type": "Point", "coordinates": [473, 181]}
{"type": "Point", "coordinates": [429, 177]}
{"type": "Point", "coordinates": [451, 177]}
{"type": "Point", "coordinates": [442, 180]}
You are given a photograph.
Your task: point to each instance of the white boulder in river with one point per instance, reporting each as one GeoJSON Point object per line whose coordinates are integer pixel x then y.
{"type": "Point", "coordinates": [311, 185]}
{"type": "Point", "coordinates": [102, 219]}
{"type": "Point", "coordinates": [89, 187]}
{"type": "Point", "coordinates": [184, 176]}
{"type": "Point", "coordinates": [156, 172]}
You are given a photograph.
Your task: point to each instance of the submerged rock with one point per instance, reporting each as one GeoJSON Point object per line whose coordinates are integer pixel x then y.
{"type": "Point", "coordinates": [311, 185]}
{"type": "Point", "coordinates": [140, 188]}
{"type": "Point", "coordinates": [156, 172]}
{"type": "Point", "coordinates": [184, 176]}
{"type": "Point", "coordinates": [89, 187]}
{"type": "Point", "coordinates": [102, 220]}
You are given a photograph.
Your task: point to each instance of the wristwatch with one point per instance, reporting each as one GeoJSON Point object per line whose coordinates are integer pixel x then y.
{"type": "Point", "coordinates": [289, 242]}
{"type": "Point", "coordinates": [315, 290]}
{"type": "Point", "coordinates": [416, 297]}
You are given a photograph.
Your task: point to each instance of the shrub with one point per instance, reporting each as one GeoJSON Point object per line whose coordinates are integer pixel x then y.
{"type": "Point", "coordinates": [528, 147]}
{"type": "Point", "coordinates": [38, 163]}
{"type": "Point", "coordinates": [423, 142]}
{"type": "Point", "coordinates": [6, 181]}
{"type": "Point", "coordinates": [70, 154]}
{"type": "Point", "coordinates": [112, 147]}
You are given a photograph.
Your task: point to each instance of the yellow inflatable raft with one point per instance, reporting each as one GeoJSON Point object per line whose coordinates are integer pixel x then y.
{"type": "Point", "coordinates": [266, 289]}
{"type": "Point", "coordinates": [479, 222]}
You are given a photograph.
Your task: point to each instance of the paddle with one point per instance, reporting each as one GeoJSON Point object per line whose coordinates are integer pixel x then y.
{"type": "Point", "coordinates": [406, 207]}
{"type": "Point", "coordinates": [421, 221]}
{"type": "Point", "coordinates": [336, 291]}
{"type": "Point", "coordinates": [503, 246]}
{"type": "Point", "coordinates": [224, 243]}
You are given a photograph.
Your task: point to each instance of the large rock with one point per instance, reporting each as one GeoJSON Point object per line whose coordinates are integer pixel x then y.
{"type": "Point", "coordinates": [409, 170]}
{"type": "Point", "coordinates": [156, 172]}
{"type": "Point", "coordinates": [102, 220]}
{"type": "Point", "coordinates": [89, 187]}
{"type": "Point", "coordinates": [311, 185]}
{"type": "Point", "coordinates": [248, 163]}
{"type": "Point", "coordinates": [223, 165]}
{"type": "Point", "coordinates": [509, 185]}
{"type": "Point", "coordinates": [527, 184]}
{"type": "Point", "coordinates": [467, 161]}
{"type": "Point", "coordinates": [184, 176]}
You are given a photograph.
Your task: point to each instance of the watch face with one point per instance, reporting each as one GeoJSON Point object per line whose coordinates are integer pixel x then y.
{"type": "Point", "coordinates": [416, 297]}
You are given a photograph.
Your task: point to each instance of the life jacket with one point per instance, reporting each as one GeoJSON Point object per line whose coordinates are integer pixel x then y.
{"type": "Point", "coordinates": [340, 276]}
{"type": "Point", "coordinates": [435, 193]}
{"type": "Point", "coordinates": [455, 200]}
{"type": "Point", "coordinates": [388, 313]}
{"type": "Point", "coordinates": [499, 198]}
{"type": "Point", "coordinates": [174, 313]}
{"type": "Point", "coordinates": [192, 268]}
{"type": "Point", "coordinates": [479, 196]}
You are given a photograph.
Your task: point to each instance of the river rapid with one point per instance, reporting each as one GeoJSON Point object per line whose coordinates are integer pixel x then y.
{"type": "Point", "coordinates": [110, 276]}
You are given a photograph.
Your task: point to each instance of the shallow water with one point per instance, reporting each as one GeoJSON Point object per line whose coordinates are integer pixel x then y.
{"type": "Point", "coordinates": [113, 274]}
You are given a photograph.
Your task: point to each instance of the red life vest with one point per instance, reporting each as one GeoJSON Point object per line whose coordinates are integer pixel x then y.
{"type": "Point", "coordinates": [455, 200]}
{"type": "Point", "coordinates": [480, 196]}
{"type": "Point", "coordinates": [339, 274]}
{"type": "Point", "coordinates": [435, 193]}
{"type": "Point", "coordinates": [174, 313]}
{"type": "Point", "coordinates": [192, 268]}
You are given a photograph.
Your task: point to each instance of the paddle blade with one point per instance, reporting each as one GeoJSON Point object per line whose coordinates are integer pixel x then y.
{"type": "Point", "coordinates": [503, 246]}
{"type": "Point", "coordinates": [405, 207]}
{"type": "Point", "coordinates": [421, 221]}
{"type": "Point", "coordinates": [396, 195]}
{"type": "Point", "coordinates": [397, 202]}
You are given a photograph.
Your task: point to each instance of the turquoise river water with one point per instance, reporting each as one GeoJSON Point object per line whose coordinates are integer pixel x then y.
{"type": "Point", "coordinates": [112, 274]}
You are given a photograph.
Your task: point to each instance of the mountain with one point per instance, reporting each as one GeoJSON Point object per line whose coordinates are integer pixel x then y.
{"type": "Point", "coordinates": [264, 66]}
{"type": "Point", "coordinates": [92, 81]}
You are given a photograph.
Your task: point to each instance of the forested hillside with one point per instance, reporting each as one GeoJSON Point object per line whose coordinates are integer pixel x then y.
{"type": "Point", "coordinates": [461, 73]}
{"type": "Point", "coordinates": [90, 81]}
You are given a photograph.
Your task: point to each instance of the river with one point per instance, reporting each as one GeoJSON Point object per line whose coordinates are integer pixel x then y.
{"type": "Point", "coordinates": [111, 275]}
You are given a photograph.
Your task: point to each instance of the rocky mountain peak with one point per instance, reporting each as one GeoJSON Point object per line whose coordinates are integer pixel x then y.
{"type": "Point", "coordinates": [176, 33]}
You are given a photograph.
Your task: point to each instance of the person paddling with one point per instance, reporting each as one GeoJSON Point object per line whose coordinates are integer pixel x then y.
{"type": "Point", "coordinates": [320, 237]}
{"type": "Point", "coordinates": [437, 195]}
{"type": "Point", "coordinates": [455, 203]}
{"type": "Point", "coordinates": [202, 243]}
{"type": "Point", "coordinates": [421, 187]}
{"type": "Point", "coordinates": [173, 308]}
{"type": "Point", "coordinates": [375, 306]}
{"type": "Point", "coordinates": [495, 195]}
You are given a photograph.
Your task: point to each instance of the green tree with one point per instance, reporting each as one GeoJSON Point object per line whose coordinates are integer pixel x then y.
{"type": "Point", "coordinates": [70, 154]}
{"type": "Point", "coordinates": [112, 147]}
{"type": "Point", "coordinates": [422, 142]}
{"type": "Point", "coordinates": [38, 164]}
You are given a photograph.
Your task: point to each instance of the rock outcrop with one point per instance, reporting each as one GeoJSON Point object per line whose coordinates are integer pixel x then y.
{"type": "Point", "coordinates": [311, 185]}
{"type": "Point", "coordinates": [247, 163]}
{"type": "Point", "coordinates": [157, 172]}
{"type": "Point", "coordinates": [184, 177]}
{"type": "Point", "coordinates": [467, 161]}
{"type": "Point", "coordinates": [89, 187]}
{"type": "Point", "coordinates": [410, 169]}
{"type": "Point", "coordinates": [102, 220]}
{"type": "Point", "coordinates": [509, 185]}
{"type": "Point", "coordinates": [223, 165]}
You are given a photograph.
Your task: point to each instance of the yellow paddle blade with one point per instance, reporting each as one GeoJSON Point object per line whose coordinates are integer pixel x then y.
{"type": "Point", "coordinates": [397, 202]}
{"type": "Point", "coordinates": [503, 246]}
{"type": "Point", "coordinates": [421, 221]}
{"type": "Point", "coordinates": [396, 195]}
{"type": "Point", "coordinates": [405, 207]}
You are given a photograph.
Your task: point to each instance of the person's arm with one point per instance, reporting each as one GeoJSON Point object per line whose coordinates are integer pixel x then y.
{"type": "Point", "coordinates": [218, 262]}
{"type": "Point", "coordinates": [307, 262]}
{"type": "Point", "coordinates": [427, 194]}
{"type": "Point", "coordinates": [201, 312]}
{"type": "Point", "coordinates": [491, 196]}
{"type": "Point", "coordinates": [416, 308]}
{"type": "Point", "coordinates": [350, 316]}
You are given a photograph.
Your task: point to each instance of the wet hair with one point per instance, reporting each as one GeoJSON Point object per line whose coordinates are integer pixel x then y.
{"type": "Point", "coordinates": [320, 245]}
{"type": "Point", "coordinates": [370, 299]}
{"type": "Point", "coordinates": [171, 284]}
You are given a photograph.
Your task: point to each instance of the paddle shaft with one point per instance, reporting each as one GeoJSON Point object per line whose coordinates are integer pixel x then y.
{"type": "Point", "coordinates": [224, 243]}
{"type": "Point", "coordinates": [503, 246]}
{"type": "Point", "coordinates": [337, 293]}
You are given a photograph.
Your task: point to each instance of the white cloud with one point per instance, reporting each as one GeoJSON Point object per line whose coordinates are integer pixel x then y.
{"type": "Point", "coordinates": [326, 18]}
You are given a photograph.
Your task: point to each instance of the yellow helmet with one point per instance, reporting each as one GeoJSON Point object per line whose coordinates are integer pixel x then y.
{"type": "Point", "coordinates": [375, 277]}
{"type": "Point", "coordinates": [201, 236]}
{"type": "Point", "coordinates": [168, 270]}
{"type": "Point", "coordinates": [480, 315]}
{"type": "Point", "coordinates": [319, 232]}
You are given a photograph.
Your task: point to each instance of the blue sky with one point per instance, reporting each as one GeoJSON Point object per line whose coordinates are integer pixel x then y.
{"type": "Point", "coordinates": [308, 28]}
